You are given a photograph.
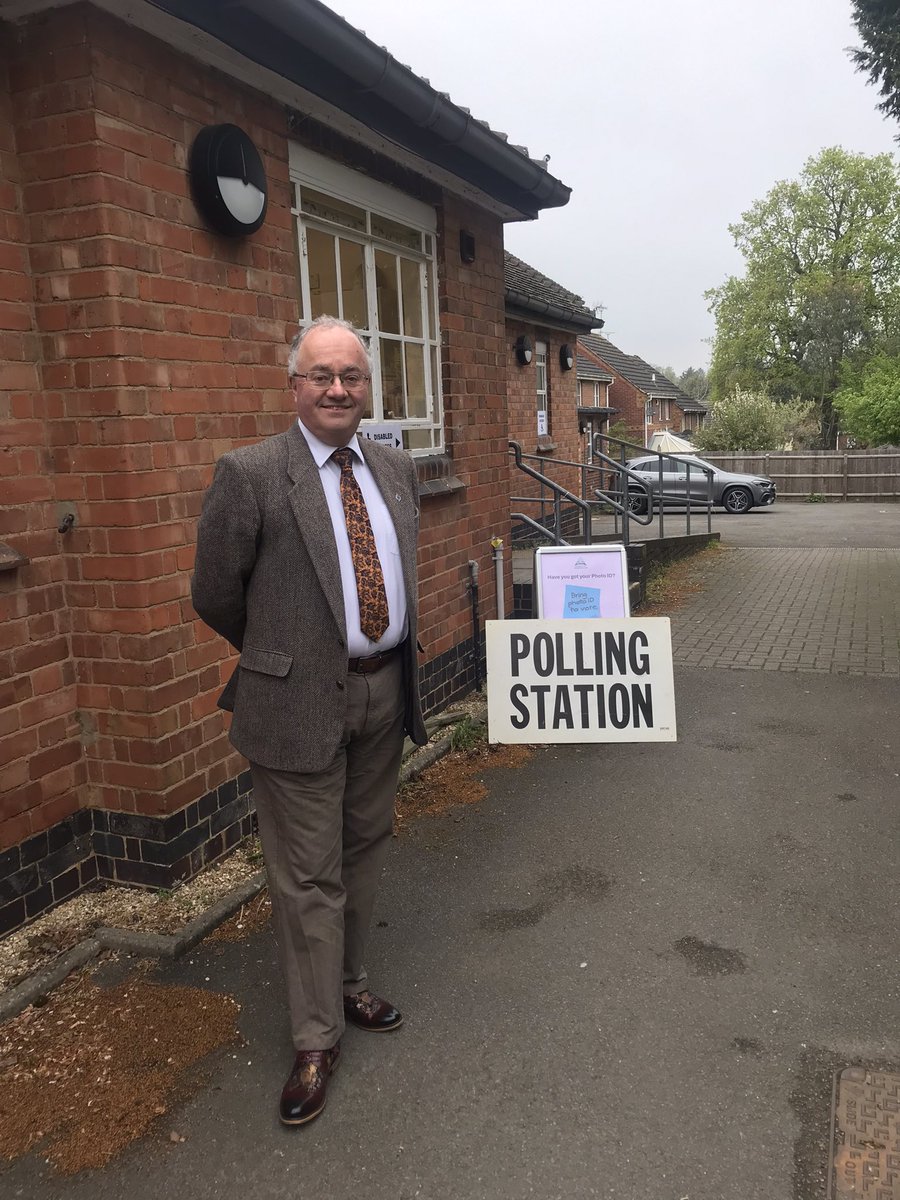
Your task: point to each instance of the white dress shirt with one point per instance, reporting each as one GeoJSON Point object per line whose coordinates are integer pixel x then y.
{"type": "Point", "coordinates": [358, 645]}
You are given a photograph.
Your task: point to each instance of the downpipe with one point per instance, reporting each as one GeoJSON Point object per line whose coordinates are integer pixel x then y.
{"type": "Point", "coordinates": [497, 554]}
{"type": "Point", "coordinates": [476, 634]}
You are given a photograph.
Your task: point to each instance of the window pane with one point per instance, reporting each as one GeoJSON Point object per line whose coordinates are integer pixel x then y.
{"type": "Point", "coordinates": [391, 380]}
{"type": "Point", "coordinates": [393, 231]}
{"type": "Point", "coordinates": [416, 439]}
{"type": "Point", "coordinates": [353, 284]}
{"type": "Point", "coordinates": [386, 285]}
{"type": "Point", "coordinates": [416, 400]}
{"type": "Point", "coordinates": [322, 273]}
{"type": "Point", "coordinates": [435, 379]}
{"type": "Point", "coordinates": [412, 297]}
{"type": "Point", "coordinates": [329, 209]}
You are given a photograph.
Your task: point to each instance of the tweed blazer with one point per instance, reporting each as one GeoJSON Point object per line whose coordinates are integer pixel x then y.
{"type": "Point", "coordinates": [267, 578]}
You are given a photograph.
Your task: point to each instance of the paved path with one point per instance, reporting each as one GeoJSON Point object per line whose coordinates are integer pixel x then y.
{"type": "Point", "coordinates": [835, 610]}
{"type": "Point", "coordinates": [629, 973]}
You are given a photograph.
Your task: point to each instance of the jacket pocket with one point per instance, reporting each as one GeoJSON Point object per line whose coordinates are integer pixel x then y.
{"type": "Point", "coordinates": [267, 662]}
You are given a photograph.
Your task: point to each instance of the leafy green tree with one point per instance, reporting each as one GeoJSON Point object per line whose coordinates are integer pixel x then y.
{"type": "Point", "coordinates": [821, 285]}
{"type": "Point", "coordinates": [747, 420]}
{"type": "Point", "coordinates": [694, 382]}
{"type": "Point", "coordinates": [869, 402]}
{"type": "Point", "coordinates": [878, 22]}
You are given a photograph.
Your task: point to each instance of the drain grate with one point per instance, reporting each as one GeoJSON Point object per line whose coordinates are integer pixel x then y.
{"type": "Point", "coordinates": [865, 1160]}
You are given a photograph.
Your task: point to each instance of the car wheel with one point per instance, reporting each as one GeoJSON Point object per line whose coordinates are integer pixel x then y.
{"type": "Point", "coordinates": [637, 503]}
{"type": "Point", "coordinates": [737, 500]}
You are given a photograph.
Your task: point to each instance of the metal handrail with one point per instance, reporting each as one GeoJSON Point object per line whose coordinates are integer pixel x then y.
{"type": "Point", "coordinates": [612, 494]}
{"type": "Point", "coordinates": [538, 527]}
{"type": "Point", "coordinates": [661, 496]}
{"type": "Point", "coordinates": [559, 493]}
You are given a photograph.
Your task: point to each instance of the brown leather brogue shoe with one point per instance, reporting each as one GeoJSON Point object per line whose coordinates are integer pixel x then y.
{"type": "Point", "coordinates": [303, 1096]}
{"type": "Point", "coordinates": [369, 1011]}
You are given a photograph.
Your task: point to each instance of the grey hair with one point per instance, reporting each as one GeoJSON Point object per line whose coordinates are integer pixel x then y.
{"type": "Point", "coordinates": [325, 322]}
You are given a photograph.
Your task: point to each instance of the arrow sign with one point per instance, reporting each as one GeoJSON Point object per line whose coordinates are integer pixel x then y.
{"type": "Point", "coordinates": [389, 433]}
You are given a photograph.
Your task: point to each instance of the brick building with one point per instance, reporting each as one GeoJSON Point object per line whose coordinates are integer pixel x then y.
{"type": "Point", "coordinates": [137, 345]}
{"type": "Point", "coordinates": [543, 323]}
{"type": "Point", "coordinates": [637, 393]}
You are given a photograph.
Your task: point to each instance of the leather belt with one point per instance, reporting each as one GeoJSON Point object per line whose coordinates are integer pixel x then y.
{"type": "Point", "coordinates": [367, 666]}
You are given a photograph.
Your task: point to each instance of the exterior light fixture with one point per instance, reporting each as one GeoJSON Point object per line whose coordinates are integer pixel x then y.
{"type": "Point", "coordinates": [466, 246]}
{"type": "Point", "coordinates": [228, 180]}
{"type": "Point", "coordinates": [524, 350]}
{"type": "Point", "coordinates": [566, 357]}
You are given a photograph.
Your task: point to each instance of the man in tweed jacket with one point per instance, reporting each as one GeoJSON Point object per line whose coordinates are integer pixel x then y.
{"type": "Point", "coordinates": [320, 709]}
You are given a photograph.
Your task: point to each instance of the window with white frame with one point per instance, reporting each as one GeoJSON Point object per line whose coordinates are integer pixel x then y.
{"type": "Point", "coordinates": [542, 388]}
{"type": "Point", "coordinates": [367, 254]}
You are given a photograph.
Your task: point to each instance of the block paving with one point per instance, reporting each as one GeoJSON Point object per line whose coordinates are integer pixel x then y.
{"type": "Point", "coordinates": [825, 609]}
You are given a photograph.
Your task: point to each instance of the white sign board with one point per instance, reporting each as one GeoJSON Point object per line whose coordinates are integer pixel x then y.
{"type": "Point", "coordinates": [388, 433]}
{"type": "Point", "coordinates": [543, 425]}
{"type": "Point", "coordinates": [581, 581]}
{"type": "Point", "coordinates": [580, 681]}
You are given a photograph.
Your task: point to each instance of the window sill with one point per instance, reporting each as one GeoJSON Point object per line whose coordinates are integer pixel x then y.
{"type": "Point", "coordinates": [545, 445]}
{"type": "Point", "coordinates": [436, 476]}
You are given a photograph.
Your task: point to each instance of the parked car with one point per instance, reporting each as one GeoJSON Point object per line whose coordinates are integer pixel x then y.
{"type": "Point", "coordinates": [683, 477]}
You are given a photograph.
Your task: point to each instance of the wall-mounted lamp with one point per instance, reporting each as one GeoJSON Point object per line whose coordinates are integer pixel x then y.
{"type": "Point", "coordinates": [566, 357]}
{"type": "Point", "coordinates": [524, 350]}
{"type": "Point", "coordinates": [466, 246]}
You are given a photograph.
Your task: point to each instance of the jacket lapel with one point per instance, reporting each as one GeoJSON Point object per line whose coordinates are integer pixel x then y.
{"type": "Point", "coordinates": [310, 510]}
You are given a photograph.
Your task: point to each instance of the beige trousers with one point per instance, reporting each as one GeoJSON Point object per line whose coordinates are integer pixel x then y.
{"type": "Point", "coordinates": [324, 836]}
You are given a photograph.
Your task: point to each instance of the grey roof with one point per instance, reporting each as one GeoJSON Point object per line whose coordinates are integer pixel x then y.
{"type": "Point", "coordinates": [586, 368]}
{"type": "Point", "coordinates": [534, 294]}
{"type": "Point", "coordinates": [642, 375]}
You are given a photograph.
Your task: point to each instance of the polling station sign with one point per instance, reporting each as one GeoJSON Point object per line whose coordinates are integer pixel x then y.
{"type": "Point", "coordinates": [580, 681]}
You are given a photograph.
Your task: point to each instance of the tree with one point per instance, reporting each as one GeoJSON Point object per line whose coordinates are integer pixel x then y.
{"type": "Point", "coordinates": [878, 22]}
{"type": "Point", "coordinates": [694, 382]}
{"type": "Point", "coordinates": [751, 421]}
{"type": "Point", "coordinates": [869, 402]}
{"type": "Point", "coordinates": [821, 285]}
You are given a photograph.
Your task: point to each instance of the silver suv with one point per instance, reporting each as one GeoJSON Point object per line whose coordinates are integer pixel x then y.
{"type": "Point", "coordinates": [683, 478]}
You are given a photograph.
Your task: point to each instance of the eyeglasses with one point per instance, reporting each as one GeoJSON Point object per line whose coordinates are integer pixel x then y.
{"type": "Point", "coordinates": [325, 379]}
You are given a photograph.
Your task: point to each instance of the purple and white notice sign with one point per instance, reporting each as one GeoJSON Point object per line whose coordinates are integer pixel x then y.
{"type": "Point", "coordinates": [581, 582]}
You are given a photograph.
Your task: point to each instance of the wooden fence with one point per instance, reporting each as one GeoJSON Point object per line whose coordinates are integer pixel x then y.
{"type": "Point", "coordinates": [872, 475]}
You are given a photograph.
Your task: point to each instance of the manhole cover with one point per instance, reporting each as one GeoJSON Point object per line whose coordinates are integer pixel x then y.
{"type": "Point", "coordinates": [866, 1154]}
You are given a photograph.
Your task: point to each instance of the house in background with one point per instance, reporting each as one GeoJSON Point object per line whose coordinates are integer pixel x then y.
{"type": "Point", "coordinates": [643, 397]}
{"type": "Point", "coordinates": [595, 412]}
{"type": "Point", "coordinates": [142, 340]}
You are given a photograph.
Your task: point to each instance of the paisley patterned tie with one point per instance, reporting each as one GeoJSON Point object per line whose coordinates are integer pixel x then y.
{"type": "Point", "coordinates": [373, 605]}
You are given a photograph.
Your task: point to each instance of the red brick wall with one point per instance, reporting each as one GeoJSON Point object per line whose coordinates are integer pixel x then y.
{"type": "Point", "coordinates": [160, 346]}
{"type": "Point", "coordinates": [564, 440]}
{"type": "Point", "coordinates": [143, 347]}
{"type": "Point", "coordinates": [459, 526]}
{"type": "Point", "coordinates": [39, 746]}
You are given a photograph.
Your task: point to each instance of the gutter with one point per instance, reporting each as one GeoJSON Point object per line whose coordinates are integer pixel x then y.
{"type": "Point", "coordinates": [340, 64]}
{"type": "Point", "coordinates": [569, 318]}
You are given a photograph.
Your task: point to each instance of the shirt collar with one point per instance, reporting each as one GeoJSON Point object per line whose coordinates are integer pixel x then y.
{"type": "Point", "coordinates": [321, 451]}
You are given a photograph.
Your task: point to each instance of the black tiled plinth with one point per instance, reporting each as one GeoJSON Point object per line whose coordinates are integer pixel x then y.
{"type": "Point", "coordinates": [95, 845]}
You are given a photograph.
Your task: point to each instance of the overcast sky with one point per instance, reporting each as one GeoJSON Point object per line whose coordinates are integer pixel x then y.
{"type": "Point", "coordinates": [667, 118]}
